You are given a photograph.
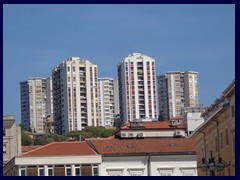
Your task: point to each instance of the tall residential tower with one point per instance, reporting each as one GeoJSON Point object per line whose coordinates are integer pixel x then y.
{"type": "Point", "coordinates": [137, 89]}
{"type": "Point", "coordinates": [36, 99]}
{"type": "Point", "coordinates": [176, 90]}
{"type": "Point", "coordinates": [75, 92]}
{"type": "Point", "coordinates": [108, 101]}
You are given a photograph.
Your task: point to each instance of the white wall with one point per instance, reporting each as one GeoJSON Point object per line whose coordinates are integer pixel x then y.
{"type": "Point", "coordinates": [153, 133]}
{"type": "Point", "coordinates": [192, 121]}
{"type": "Point", "coordinates": [177, 165]}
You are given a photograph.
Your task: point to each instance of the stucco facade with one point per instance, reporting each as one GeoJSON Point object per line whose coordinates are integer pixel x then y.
{"type": "Point", "coordinates": [155, 165]}
{"type": "Point", "coordinates": [11, 138]}
{"type": "Point", "coordinates": [217, 134]}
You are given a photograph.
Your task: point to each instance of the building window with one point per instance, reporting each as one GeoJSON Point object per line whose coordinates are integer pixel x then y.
{"type": "Point", "coordinates": [216, 144]}
{"type": "Point", "coordinates": [227, 140]}
{"type": "Point", "coordinates": [136, 172]}
{"type": "Point", "coordinates": [221, 139]}
{"type": "Point", "coordinates": [4, 148]}
{"type": "Point", "coordinates": [188, 172]}
{"type": "Point", "coordinates": [115, 172]}
{"type": "Point", "coordinates": [50, 170]}
{"type": "Point", "coordinates": [68, 170]}
{"type": "Point", "coordinates": [4, 132]}
{"type": "Point", "coordinates": [77, 170]}
{"type": "Point", "coordinates": [233, 144]}
{"type": "Point", "coordinates": [95, 170]}
{"type": "Point", "coordinates": [22, 171]}
{"type": "Point", "coordinates": [86, 170]}
{"type": "Point", "coordinates": [206, 151]}
{"type": "Point", "coordinates": [165, 171]}
{"type": "Point", "coordinates": [40, 170]}
{"type": "Point", "coordinates": [233, 111]}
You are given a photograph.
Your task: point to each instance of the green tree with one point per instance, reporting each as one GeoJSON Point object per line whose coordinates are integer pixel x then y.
{"type": "Point", "coordinates": [26, 140]}
{"type": "Point", "coordinates": [91, 132]}
{"type": "Point", "coordinates": [160, 116]}
{"type": "Point", "coordinates": [40, 140]}
{"type": "Point", "coordinates": [117, 121]}
{"type": "Point", "coordinates": [49, 140]}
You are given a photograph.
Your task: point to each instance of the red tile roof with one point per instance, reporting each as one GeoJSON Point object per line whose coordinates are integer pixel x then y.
{"type": "Point", "coordinates": [156, 125]}
{"type": "Point", "coordinates": [50, 121]}
{"type": "Point", "coordinates": [142, 146]}
{"type": "Point", "coordinates": [62, 148]}
{"type": "Point", "coordinates": [29, 148]}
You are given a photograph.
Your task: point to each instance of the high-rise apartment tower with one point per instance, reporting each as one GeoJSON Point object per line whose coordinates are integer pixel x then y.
{"type": "Point", "coordinates": [137, 94]}
{"type": "Point", "coordinates": [75, 92]}
{"type": "Point", "coordinates": [176, 90]}
{"type": "Point", "coordinates": [108, 101]}
{"type": "Point", "coordinates": [36, 99]}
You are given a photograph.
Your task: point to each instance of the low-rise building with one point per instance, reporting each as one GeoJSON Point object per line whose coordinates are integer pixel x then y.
{"type": "Point", "coordinates": [146, 157]}
{"type": "Point", "coordinates": [11, 138]}
{"type": "Point", "coordinates": [56, 159]}
{"type": "Point", "coordinates": [141, 129]}
{"type": "Point", "coordinates": [192, 118]}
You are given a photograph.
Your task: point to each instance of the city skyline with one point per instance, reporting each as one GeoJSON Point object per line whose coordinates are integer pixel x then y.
{"type": "Point", "coordinates": [179, 37]}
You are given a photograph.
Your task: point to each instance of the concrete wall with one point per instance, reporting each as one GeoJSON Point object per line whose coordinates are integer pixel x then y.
{"type": "Point", "coordinates": [177, 165]}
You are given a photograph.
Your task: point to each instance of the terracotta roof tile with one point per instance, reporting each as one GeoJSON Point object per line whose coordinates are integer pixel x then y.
{"type": "Point", "coordinates": [29, 148]}
{"type": "Point", "coordinates": [150, 145]}
{"type": "Point", "coordinates": [62, 148]}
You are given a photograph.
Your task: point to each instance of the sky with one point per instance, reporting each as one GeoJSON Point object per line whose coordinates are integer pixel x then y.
{"type": "Point", "coordinates": [180, 37]}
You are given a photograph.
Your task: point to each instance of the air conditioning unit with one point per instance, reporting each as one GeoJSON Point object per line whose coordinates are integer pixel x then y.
{"type": "Point", "coordinates": [178, 133]}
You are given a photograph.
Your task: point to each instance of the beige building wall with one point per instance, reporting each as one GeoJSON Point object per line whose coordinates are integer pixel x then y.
{"type": "Point", "coordinates": [11, 138]}
{"type": "Point", "coordinates": [217, 134]}
{"type": "Point", "coordinates": [36, 103]}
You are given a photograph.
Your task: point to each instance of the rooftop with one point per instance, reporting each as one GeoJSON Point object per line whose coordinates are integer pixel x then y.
{"type": "Point", "coordinates": [29, 148]}
{"type": "Point", "coordinates": [143, 146]}
{"type": "Point", "coordinates": [62, 148]}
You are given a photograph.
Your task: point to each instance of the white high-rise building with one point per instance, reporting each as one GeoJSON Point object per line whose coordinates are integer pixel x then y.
{"type": "Point", "coordinates": [176, 90]}
{"type": "Point", "coordinates": [36, 99]}
{"type": "Point", "coordinates": [137, 87]}
{"type": "Point", "coordinates": [108, 101]}
{"type": "Point", "coordinates": [75, 92]}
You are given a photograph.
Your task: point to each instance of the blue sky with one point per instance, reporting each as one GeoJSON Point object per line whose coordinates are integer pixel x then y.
{"type": "Point", "coordinates": [199, 38]}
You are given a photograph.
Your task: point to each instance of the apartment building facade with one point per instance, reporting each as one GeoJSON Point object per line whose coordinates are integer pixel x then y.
{"type": "Point", "coordinates": [176, 90]}
{"type": "Point", "coordinates": [108, 101]}
{"type": "Point", "coordinates": [137, 87]}
{"type": "Point", "coordinates": [217, 135]}
{"type": "Point", "coordinates": [75, 92]}
{"type": "Point", "coordinates": [36, 99]}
